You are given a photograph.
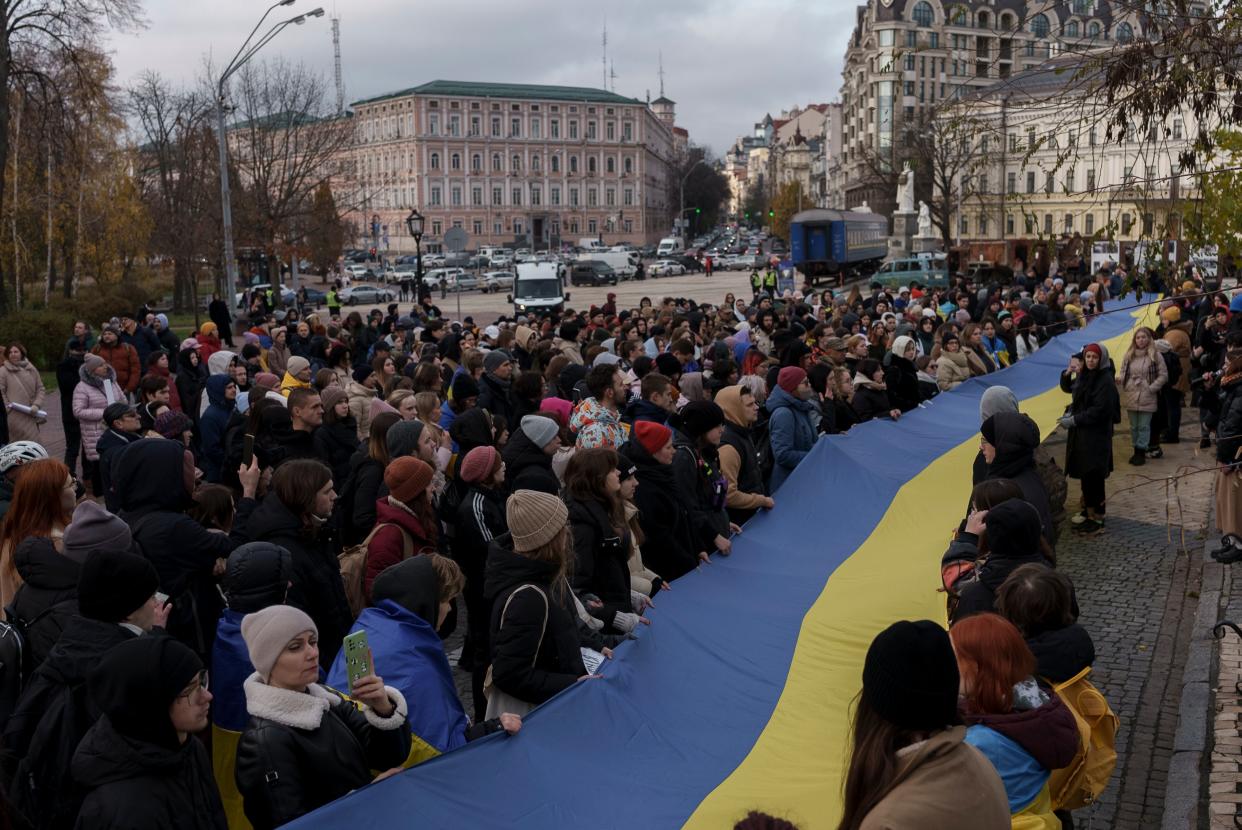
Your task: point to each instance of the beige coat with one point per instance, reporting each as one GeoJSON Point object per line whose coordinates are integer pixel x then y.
{"type": "Point", "coordinates": [943, 784]}
{"type": "Point", "coordinates": [641, 577]}
{"type": "Point", "coordinates": [20, 383]}
{"type": "Point", "coordinates": [952, 370]}
{"type": "Point", "coordinates": [1178, 336]}
{"type": "Point", "coordinates": [360, 398]}
{"type": "Point", "coordinates": [1140, 386]}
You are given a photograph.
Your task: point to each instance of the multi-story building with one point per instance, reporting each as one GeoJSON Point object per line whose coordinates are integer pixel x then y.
{"type": "Point", "coordinates": [1048, 177]}
{"type": "Point", "coordinates": [513, 164]}
{"type": "Point", "coordinates": [906, 58]}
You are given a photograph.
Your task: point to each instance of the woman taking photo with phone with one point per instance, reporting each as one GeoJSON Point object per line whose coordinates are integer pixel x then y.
{"type": "Point", "coordinates": [305, 744]}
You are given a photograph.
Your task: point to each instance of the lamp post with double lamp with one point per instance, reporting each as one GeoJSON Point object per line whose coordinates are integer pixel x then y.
{"type": "Point", "coordinates": [244, 53]}
{"type": "Point", "coordinates": [414, 224]}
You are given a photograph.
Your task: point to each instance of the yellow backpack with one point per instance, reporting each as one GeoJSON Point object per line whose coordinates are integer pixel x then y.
{"type": "Point", "coordinates": [1081, 783]}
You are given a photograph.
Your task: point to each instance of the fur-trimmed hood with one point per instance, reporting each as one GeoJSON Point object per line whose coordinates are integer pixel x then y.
{"type": "Point", "coordinates": [305, 710]}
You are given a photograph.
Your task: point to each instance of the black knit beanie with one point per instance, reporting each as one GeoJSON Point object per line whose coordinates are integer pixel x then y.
{"type": "Point", "coordinates": [137, 681]}
{"type": "Point", "coordinates": [910, 676]}
{"type": "Point", "coordinates": [114, 584]}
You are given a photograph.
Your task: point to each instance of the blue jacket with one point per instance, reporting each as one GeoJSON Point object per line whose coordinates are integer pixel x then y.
{"type": "Point", "coordinates": [212, 426]}
{"type": "Point", "coordinates": [1022, 775]}
{"type": "Point", "coordinates": [791, 430]}
{"type": "Point", "coordinates": [230, 666]}
{"type": "Point", "coordinates": [409, 656]}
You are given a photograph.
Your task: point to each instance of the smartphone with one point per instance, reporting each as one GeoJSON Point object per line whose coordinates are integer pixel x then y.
{"type": "Point", "coordinates": [161, 597]}
{"type": "Point", "coordinates": [357, 657]}
{"type": "Point", "coordinates": [248, 450]}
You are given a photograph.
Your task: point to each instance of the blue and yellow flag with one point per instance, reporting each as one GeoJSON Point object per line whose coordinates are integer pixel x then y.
{"type": "Point", "coordinates": [230, 666]}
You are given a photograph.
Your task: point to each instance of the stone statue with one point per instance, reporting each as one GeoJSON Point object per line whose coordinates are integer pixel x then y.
{"type": "Point", "coordinates": [905, 190]}
{"type": "Point", "coordinates": [925, 223]}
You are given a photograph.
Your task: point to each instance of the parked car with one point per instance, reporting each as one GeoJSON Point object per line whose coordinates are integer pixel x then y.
{"type": "Point", "coordinates": [494, 281]}
{"type": "Point", "coordinates": [451, 275]}
{"type": "Point", "coordinates": [592, 272]}
{"type": "Point", "coordinates": [930, 273]}
{"type": "Point", "coordinates": [356, 294]}
{"type": "Point", "coordinates": [666, 268]}
{"type": "Point", "coordinates": [286, 293]}
{"type": "Point", "coordinates": [315, 297]}
{"type": "Point", "coordinates": [689, 263]}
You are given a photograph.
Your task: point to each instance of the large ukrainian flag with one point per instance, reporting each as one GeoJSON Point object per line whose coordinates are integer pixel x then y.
{"type": "Point", "coordinates": [738, 695]}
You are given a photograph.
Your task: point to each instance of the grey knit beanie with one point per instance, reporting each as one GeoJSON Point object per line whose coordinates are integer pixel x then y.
{"type": "Point", "coordinates": [539, 430]}
{"type": "Point", "coordinates": [534, 518]}
{"type": "Point", "coordinates": [495, 359]}
{"type": "Point", "coordinates": [403, 438]}
{"type": "Point", "coordinates": [267, 632]}
{"type": "Point", "coordinates": [94, 528]}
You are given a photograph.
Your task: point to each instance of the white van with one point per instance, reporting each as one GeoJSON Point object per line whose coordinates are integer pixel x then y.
{"type": "Point", "coordinates": [591, 244]}
{"type": "Point", "coordinates": [539, 288]}
{"type": "Point", "coordinates": [670, 245]}
{"type": "Point", "coordinates": [624, 263]}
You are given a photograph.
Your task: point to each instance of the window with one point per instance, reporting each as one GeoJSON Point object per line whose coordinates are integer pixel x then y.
{"type": "Point", "coordinates": [475, 125]}
{"type": "Point", "coordinates": [933, 41]}
{"type": "Point", "coordinates": [1093, 30]}
{"type": "Point", "coordinates": [1127, 223]}
{"type": "Point", "coordinates": [476, 197]}
{"type": "Point", "coordinates": [1013, 142]}
{"type": "Point", "coordinates": [476, 227]}
{"type": "Point", "coordinates": [909, 63]}
{"type": "Point", "coordinates": [515, 128]}
{"type": "Point", "coordinates": [1090, 181]}
{"type": "Point", "coordinates": [1049, 183]}
{"type": "Point", "coordinates": [610, 197]}
{"type": "Point", "coordinates": [435, 196]}
{"type": "Point", "coordinates": [555, 163]}
{"type": "Point", "coordinates": [1047, 224]}
{"type": "Point", "coordinates": [590, 133]}
{"type": "Point", "coordinates": [885, 37]}
{"type": "Point", "coordinates": [629, 165]}
{"type": "Point", "coordinates": [592, 197]}
{"type": "Point", "coordinates": [515, 163]}
{"type": "Point", "coordinates": [1177, 130]}
{"type": "Point", "coordinates": [1082, 6]}
{"type": "Point", "coordinates": [627, 131]}
{"type": "Point", "coordinates": [1030, 181]}
{"type": "Point", "coordinates": [534, 163]}
{"type": "Point", "coordinates": [1149, 224]}
{"type": "Point", "coordinates": [1040, 25]}
{"type": "Point", "coordinates": [573, 197]}
{"type": "Point", "coordinates": [437, 228]}
{"type": "Point", "coordinates": [554, 195]}
{"type": "Point", "coordinates": [963, 226]}
{"type": "Point", "coordinates": [435, 161]}
{"type": "Point", "coordinates": [497, 167]}
{"type": "Point", "coordinates": [1011, 183]}
{"type": "Point", "coordinates": [455, 161]}
{"type": "Point", "coordinates": [1030, 138]}
{"type": "Point", "coordinates": [923, 15]}
{"type": "Point", "coordinates": [983, 225]}
{"type": "Point", "coordinates": [573, 130]}
{"type": "Point", "coordinates": [573, 164]}
{"type": "Point", "coordinates": [497, 196]}
{"type": "Point", "coordinates": [517, 227]}
{"type": "Point", "coordinates": [1030, 223]}
{"type": "Point", "coordinates": [592, 226]}
{"type": "Point", "coordinates": [1009, 224]}
{"type": "Point", "coordinates": [476, 163]}
{"type": "Point", "coordinates": [610, 131]}
{"type": "Point", "coordinates": [591, 165]}
{"type": "Point", "coordinates": [1090, 224]}
{"type": "Point", "coordinates": [498, 228]}
{"type": "Point", "coordinates": [517, 196]}
{"type": "Point", "coordinates": [495, 127]}
{"type": "Point", "coordinates": [536, 128]}
{"type": "Point", "coordinates": [433, 124]}
{"type": "Point", "coordinates": [1125, 33]}
{"type": "Point", "coordinates": [610, 165]}
{"type": "Point", "coordinates": [455, 126]}
{"type": "Point", "coordinates": [1069, 223]}
{"type": "Point", "coordinates": [628, 197]}
{"type": "Point", "coordinates": [912, 39]}
{"type": "Point", "coordinates": [536, 195]}
{"type": "Point", "coordinates": [554, 128]}
{"type": "Point", "coordinates": [456, 196]}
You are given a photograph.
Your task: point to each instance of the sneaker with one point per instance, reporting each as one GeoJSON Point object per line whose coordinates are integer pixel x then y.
{"type": "Point", "coordinates": [1229, 556]}
{"type": "Point", "coordinates": [1078, 518]}
{"type": "Point", "coordinates": [1138, 459]}
{"type": "Point", "coordinates": [1205, 443]}
{"type": "Point", "coordinates": [1090, 526]}
{"type": "Point", "coordinates": [1155, 452]}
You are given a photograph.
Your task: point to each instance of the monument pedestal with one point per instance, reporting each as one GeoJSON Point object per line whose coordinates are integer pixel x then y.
{"type": "Point", "coordinates": [926, 244]}
{"type": "Point", "coordinates": [901, 243]}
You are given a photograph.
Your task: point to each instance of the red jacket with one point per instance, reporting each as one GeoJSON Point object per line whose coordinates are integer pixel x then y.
{"type": "Point", "coordinates": [387, 547]}
{"type": "Point", "coordinates": [124, 359]}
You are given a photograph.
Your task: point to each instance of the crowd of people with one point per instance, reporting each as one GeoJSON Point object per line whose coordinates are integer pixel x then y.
{"type": "Point", "coordinates": [241, 511]}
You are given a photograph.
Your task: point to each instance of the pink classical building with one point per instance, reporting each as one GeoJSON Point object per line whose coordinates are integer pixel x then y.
{"type": "Point", "coordinates": [512, 164]}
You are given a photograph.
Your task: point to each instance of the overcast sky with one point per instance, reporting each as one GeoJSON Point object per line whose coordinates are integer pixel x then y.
{"type": "Point", "coordinates": [726, 62]}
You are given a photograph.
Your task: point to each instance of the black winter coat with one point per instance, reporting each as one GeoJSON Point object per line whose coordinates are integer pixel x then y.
{"type": "Point", "coordinates": [355, 505]}
{"type": "Point", "coordinates": [531, 659]}
{"type": "Point", "coordinates": [1229, 423]}
{"type": "Point", "coordinates": [902, 380]}
{"type": "Point", "coordinates": [153, 500]}
{"type": "Point", "coordinates": [141, 786]}
{"type": "Point", "coordinates": [336, 444]}
{"type": "Point", "coordinates": [1095, 406]}
{"type": "Point", "coordinates": [496, 398]}
{"type": "Point", "coordinates": [869, 402]}
{"type": "Point", "coordinates": [480, 519]}
{"type": "Point", "coordinates": [1063, 653]}
{"type": "Point", "coordinates": [749, 472]}
{"type": "Point", "coordinates": [285, 770]}
{"type": "Point", "coordinates": [191, 380]}
{"type": "Point", "coordinates": [702, 488]}
{"type": "Point", "coordinates": [601, 558]}
{"type": "Point", "coordinates": [48, 596]}
{"type": "Point", "coordinates": [317, 587]}
{"type": "Point", "coordinates": [977, 592]}
{"type": "Point", "coordinates": [670, 549]}
{"type": "Point", "coordinates": [109, 448]}
{"type": "Point", "coordinates": [528, 467]}
{"type": "Point", "coordinates": [52, 716]}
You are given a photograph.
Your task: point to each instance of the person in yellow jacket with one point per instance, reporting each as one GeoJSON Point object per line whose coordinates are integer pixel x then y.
{"type": "Point", "coordinates": [297, 375]}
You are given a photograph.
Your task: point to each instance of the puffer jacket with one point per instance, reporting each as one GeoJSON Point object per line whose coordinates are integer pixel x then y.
{"type": "Point", "coordinates": [301, 750]}
{"type": "Point", "coordinates": [89, 401]}
{"type": "Point", "coordinates": [902, 380]}
{"type": "Point", "coordinates": [212, 426]}
{"type": "Point", "coordinates": [672, 550]}
{"type": "Point", "coordinates": [20, 383]}
{"type": "Point", "coordinates": [739, 460]}
{"type": "Point", "coordinates": [360, 398]}
{"type": "Point", "coordinates": [387, 547]}
{"type": "Point", "coordinates": [597, 426]}
{"type": "Point", "coordinates": [1143, 375]}
{"type": "Point", "coordinates": [48, 596]}
{"type": "Point", "coordinates": [952, 370]}
{"type": "Point", "coordinates": [123, 358]}
{"type": "Point", "coordinates": [791, 429]}
{"type": "Point", "coordinates": [528, 467]}
{"type": "Point", "coordinates": [143, 786]}
{"type": "Point", "coordinates": [601, 558]}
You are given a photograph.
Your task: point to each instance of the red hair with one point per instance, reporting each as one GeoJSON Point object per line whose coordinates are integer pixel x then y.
{"type": "Point", "coordinates": [992, 657]}
{"type": "Point", "coordinates": [36, 507]}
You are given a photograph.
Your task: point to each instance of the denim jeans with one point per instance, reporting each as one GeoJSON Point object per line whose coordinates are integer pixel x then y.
{"type": "Point", "coordinates": [1140, 428]}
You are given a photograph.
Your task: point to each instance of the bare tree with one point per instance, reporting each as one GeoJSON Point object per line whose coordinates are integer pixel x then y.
{"type": "Point", "coordinates": [176, 157]}
{"type": "Point", "coordinates": [286, 141]}
{"type": "Point", "coordinates": [946, 152]}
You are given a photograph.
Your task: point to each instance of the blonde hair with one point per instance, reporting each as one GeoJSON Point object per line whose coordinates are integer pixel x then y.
{"type": "Point", "coordinates": [398, 397]}
{"type": "Point", "coordinates": [449, 577]}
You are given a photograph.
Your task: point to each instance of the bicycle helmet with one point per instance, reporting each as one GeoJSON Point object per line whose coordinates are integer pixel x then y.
{"type": "Point", "coordinates": [18, 453]}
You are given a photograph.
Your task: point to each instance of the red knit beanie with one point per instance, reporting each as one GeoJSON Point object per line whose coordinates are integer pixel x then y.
{"type": "Point", "coordinates": [789, 378]}
{"type": "Point", "coordinates": [479, 464]}
{"type": "Point", "coordinates": [407, 478]}
{"type": "Point", "coordinates": [1094, 347]}
{"type": "Point", "coordinates": [652, 436]}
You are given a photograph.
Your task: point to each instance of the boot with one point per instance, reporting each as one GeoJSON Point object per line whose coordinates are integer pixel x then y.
{"type": "Point", "coordinates": [1138, 459]}
{"type": "Point", "coordinates": [1229, 546]}
{"type": "Point", "coordinates": [1155, 452]}
{"type": "Point", "coordinates": [1228, 557]}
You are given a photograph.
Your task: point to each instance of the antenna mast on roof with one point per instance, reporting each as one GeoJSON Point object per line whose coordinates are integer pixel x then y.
{"type": "Point", "coordinates": [336, 49]}
{"type": "Point", "coordinates": [661, 73]}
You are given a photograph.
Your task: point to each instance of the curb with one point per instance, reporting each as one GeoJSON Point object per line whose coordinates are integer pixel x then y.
{"type": "Point", "coordinates": [1186, 788]}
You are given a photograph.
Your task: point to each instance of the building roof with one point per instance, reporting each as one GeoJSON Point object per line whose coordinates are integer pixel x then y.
{"type": "Point", "coordinates": [663, 100]}
{"type": "Point", "coordinates": [500, 90]}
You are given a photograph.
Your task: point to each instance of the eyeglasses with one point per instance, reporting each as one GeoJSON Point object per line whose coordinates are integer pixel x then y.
{"type": "Point", "coordinates": [200, 684]}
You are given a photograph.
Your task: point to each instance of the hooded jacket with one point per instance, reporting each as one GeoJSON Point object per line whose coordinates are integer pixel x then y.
{"type": "Point", "coordinates": [643, 410]}
{"type": "Point", "coordinates": [1095, 406]}
{"type": "Point", "coordinates": [531, 660]}
{"type": "Point", "coordinates": [1062, 653]}
{"type": "Point", "coordinates": [791, 427]}
{"type": "Point", "coordinates": [335, 444]}
{"type": "Point", "coordinates": [387, 547]}
{"type": "Point", "coordinates": [528, 467]}
{"type": "Point", "coordinates": [601, 557]}
{"type": "Point", "coordinates": [942, 783]}
{"type": "Point", "coordinates": [671, 551]}
{"type": "Point", "coordinates": [317, 587]}
{"type": "Point", "coordinates": [902, 379]}
{"type": "Point", "coordinates": [360, 397]}
{"type": "Point", "coordinates": [212, 425]}
{"type": "Point", "coordinates": [1013, 529]}
{"type": "Point", "coordinates": [597, 426]}
{"type": "Point", "coordinates": [1017, 439]}
{"type": "Point", "coordinates": [355, 507]}
{"type": "Point", "coordinates": [301, 750]}
{"type": "Point", "coordinates": [90, 398]}
{"type": "Point", "coordinates": [48, 596]}
{"type": "Point", "coordinates": [739, 459]}
{"type": "Point", "coordinates": [701, 488]}
{"type": "Point", "coordinates": [191, 381]}
{"type": "Point", "coordinates": [496, 397]}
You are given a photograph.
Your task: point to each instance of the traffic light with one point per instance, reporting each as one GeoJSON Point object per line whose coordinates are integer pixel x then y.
{"type": "Point", "coordinates": [771, 213]}
{"type": "Point", "coordinates": [698, 211]}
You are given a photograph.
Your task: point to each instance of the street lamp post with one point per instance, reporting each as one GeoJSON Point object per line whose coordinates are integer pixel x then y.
{"type": "Point", "coordinates": [682, 212]}
{"type": "Point", "coordinates": [414, 223]}
{"type": "Point", "coordinates": [244, 53]}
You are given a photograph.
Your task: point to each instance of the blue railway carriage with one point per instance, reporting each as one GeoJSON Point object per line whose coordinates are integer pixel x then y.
{"type": "Point", "coordinates": [837, 244]}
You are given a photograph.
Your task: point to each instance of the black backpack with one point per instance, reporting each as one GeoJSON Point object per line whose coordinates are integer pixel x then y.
{"type": "Point", "coordinates": [43, 790]}
{"type": "Point", "coordinates": [16, 662]}
{"type": "Point", "coordinates": [761, 437]}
